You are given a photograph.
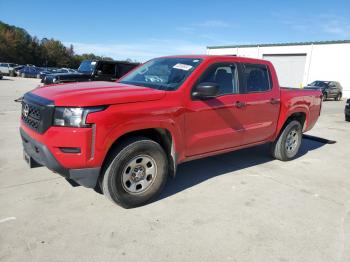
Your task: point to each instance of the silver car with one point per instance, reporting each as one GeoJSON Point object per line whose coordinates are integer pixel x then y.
{"type": "Point", "coordinates": [7, 68]}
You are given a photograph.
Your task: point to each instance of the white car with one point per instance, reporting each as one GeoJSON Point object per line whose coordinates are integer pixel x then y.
{"type": "Point", "coordinates": [7, 68]}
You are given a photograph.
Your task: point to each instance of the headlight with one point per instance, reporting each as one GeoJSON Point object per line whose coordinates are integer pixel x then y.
{"type": "Point", "coordinates": [73, 116]}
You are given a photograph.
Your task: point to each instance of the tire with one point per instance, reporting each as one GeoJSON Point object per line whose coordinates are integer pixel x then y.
{"type": "Point", "coordinates": [338, 97]}
{"type": "Point", "coordinates": [324, 97]}
{"type": "Point", "coordinates": [12, 73]}
{"type": "Point", "coordinates": [283, 149]}
{"type": "Point", "coordinates": [23, 75]}
{"type": "Point", "coordinates": [135, 172]}
{"type": "Point", "coordinates": [347, 118]}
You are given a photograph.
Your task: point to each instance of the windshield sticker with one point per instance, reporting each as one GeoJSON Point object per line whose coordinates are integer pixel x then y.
{"type": "Point", "coordinates": [182, 67]}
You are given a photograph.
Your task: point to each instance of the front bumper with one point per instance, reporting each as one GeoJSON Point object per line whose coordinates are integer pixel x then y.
{"type": "Point", "coordinates": [86, 177]}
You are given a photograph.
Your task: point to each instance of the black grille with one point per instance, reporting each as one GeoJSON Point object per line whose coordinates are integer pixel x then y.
{"type": "Point", "coordinates": [37, 112]}
{"type": "Point", "coordinates": [31, 115]}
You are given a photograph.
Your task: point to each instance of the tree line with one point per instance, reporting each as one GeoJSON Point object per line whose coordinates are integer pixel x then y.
{"type": "Point", "coordinates": [18, 46]}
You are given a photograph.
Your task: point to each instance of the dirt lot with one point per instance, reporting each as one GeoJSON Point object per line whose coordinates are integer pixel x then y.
{"type": "Point", "coordinates": [241, 206]}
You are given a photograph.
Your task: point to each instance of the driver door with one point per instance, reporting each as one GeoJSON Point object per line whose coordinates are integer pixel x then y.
{"type": "Point", "coordinates": [215, 124]}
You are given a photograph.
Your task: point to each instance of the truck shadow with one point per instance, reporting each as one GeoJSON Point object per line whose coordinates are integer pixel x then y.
{"type": "Point", "coordinates": [195, 172]}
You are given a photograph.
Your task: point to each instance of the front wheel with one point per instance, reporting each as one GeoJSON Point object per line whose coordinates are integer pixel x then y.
{"type": "Point", "coordinates": [288, 142]}
{"type": "Point", "coordinates": [135, 173]}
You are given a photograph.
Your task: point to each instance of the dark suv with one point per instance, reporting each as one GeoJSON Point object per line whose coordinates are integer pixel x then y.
{"type": "Point", "coordinates": [330, 89]}
{"type": "Point", "coordinates": [92, 70]}
{"type": "Point", "coordinates": [347, 110]}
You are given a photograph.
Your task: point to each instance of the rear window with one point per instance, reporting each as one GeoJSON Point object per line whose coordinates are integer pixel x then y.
{"type": "Point", "coordinates": [256, 78]}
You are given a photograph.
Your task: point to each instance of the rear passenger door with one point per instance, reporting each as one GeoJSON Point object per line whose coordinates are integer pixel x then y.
{"type": "Point", "coordinates": [261, 101]}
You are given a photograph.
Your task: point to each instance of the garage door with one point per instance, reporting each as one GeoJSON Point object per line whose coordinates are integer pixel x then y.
{"type": "Point", "coordinates": [290, 68]}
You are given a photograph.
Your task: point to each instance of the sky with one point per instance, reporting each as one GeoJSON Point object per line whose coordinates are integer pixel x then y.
{"type": "Point", "coordinates": [141, 30]}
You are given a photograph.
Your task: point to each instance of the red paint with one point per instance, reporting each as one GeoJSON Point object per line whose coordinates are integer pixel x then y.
{"type": "Point", "coordinates": [198, 128]}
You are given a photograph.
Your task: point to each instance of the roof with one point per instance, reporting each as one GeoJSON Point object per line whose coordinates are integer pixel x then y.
{"type": "Point", "coordinates": [284, 44]}
{"type": "Point", "coordinates": [221, 58]}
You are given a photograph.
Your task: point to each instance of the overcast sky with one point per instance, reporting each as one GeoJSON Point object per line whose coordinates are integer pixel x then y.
{"type": "Point", "coordinates": [141, 30]}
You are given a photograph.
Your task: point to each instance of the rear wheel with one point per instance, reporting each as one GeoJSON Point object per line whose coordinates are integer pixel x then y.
{"type": "Point", "coordinates": [135, 173]}
{"type": "Point", "coordinates": [338, 97]}
{"type": "Point", "coordinates": [324, 97]}
{"type": "Point", "coordinates": [288, 142]}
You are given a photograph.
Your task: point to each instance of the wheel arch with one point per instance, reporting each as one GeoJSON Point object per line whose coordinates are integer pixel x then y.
{"type": "Point", "coordinates": [162, 136]}
{"type": "Point", "coordinates": [300, 115]}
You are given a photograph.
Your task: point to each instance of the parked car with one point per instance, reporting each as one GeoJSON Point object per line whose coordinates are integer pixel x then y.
{"type": "Point", "coordinates": [16, 70]}
{"type": "Point", "coordinates": [125, 138]}
{"type": "Point", "coordinates": [68, 70]}
{"type": "Point", "coordinates": [7, 68]}
{"type": "Point", "coordinates": [330, 89]}
{"type": "Point", "coordinates": [347, 110]}
{"type": "Point", "coordinates": [30, 71]}
{"type": "Point", "coordinates": [92, 70]}
{"type": "Point", "coordinates": [43, 74]}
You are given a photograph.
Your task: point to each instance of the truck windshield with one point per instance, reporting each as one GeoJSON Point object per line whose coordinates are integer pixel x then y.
{"type": "Point", "coordinates": [162, 73]}
{"type": "Point", "coordinates": [87, 66]}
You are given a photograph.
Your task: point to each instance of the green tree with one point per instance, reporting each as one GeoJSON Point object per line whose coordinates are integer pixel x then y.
{"type": "Point", "coordinates": [17, 46]}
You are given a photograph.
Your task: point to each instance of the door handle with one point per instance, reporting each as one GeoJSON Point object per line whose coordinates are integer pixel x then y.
{"type": "Point", "coordinates": [274, 101]}
{"type": "Point", "coordinates": [240, 104]}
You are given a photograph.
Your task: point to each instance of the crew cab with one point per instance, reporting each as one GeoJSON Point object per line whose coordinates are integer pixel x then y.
{"type": "Point", "coordinates": [92, 70]}
{"type": "Point", "coordinates": [126, 138]}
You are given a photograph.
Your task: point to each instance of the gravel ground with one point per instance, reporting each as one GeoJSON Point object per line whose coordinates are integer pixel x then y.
{"type": "Point", "coordinates": [241, 206]}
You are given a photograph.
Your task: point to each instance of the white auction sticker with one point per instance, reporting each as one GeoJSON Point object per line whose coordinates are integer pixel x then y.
{"type": "Point", "coordinates": [182, 67]}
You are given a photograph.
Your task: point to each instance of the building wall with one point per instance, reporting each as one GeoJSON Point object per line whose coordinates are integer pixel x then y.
{"type": "Point", "coordinates": [323, 61]}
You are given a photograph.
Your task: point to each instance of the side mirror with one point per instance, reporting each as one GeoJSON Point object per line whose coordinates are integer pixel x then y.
{"type": "Point", "coordinates": [206, 90]}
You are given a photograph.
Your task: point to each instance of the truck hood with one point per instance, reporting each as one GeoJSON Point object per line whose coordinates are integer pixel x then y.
{"type": "Point", "coordinates": [97, 93]}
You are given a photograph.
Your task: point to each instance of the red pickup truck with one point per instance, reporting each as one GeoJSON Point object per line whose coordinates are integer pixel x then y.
{"type": "Point", "coordinates": [126, 138]}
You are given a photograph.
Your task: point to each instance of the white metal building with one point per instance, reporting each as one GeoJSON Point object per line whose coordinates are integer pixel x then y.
{"type": "Point", "coordinates": [298, 64]}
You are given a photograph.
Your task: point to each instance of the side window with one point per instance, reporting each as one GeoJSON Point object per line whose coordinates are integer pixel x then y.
{"type": "Point", "coordinates": [256, 78]}
{"type": "Point", "coordinates": [107, 69]}
{"type": "Point", "coordinates": [123, 69]}
{"type": "Point", "coordinates": [225, 75]}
